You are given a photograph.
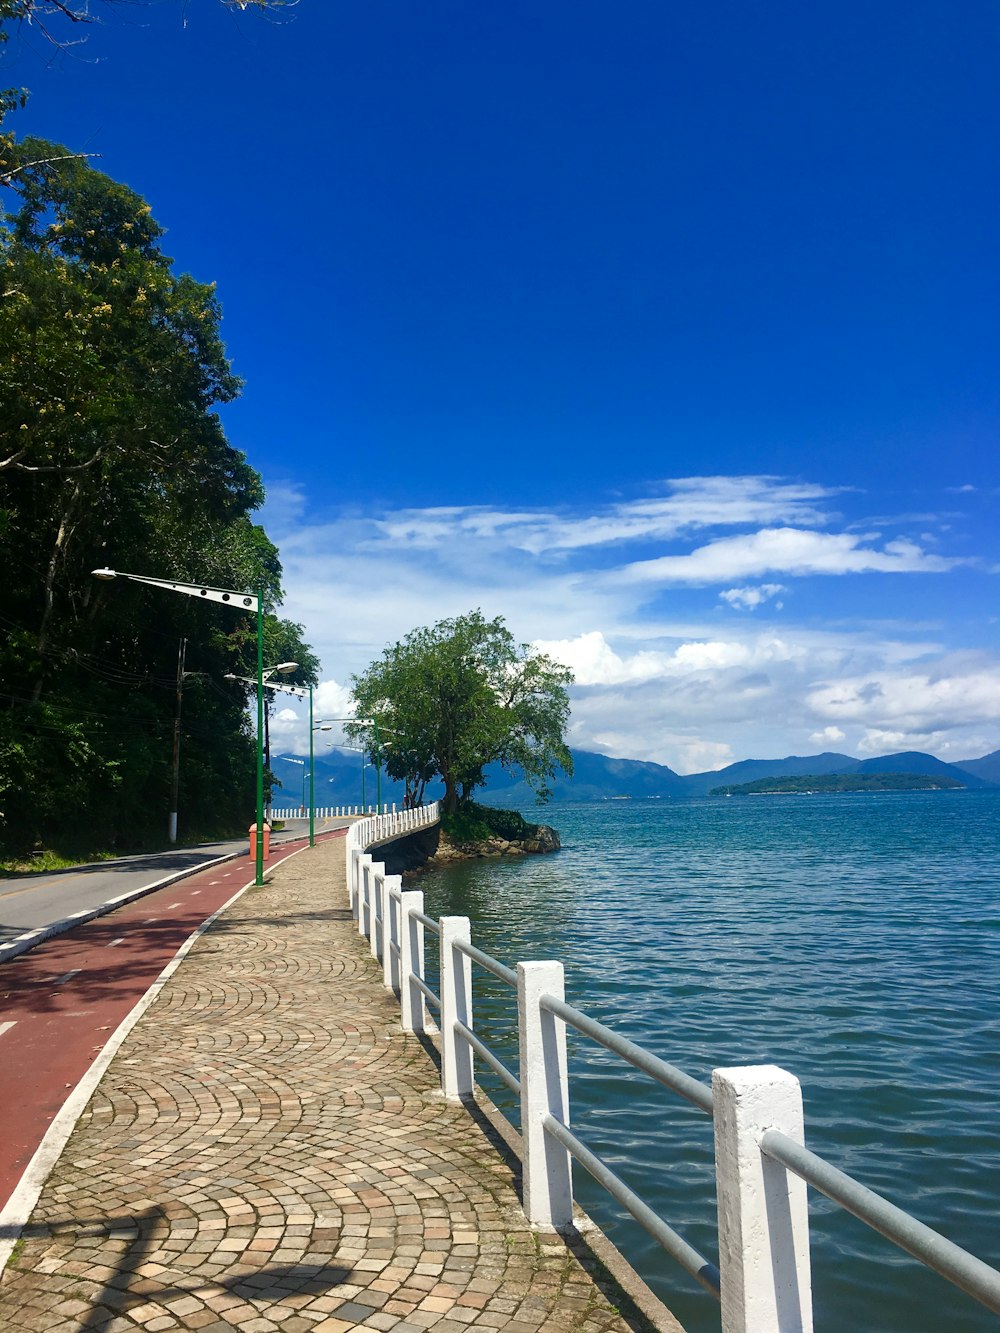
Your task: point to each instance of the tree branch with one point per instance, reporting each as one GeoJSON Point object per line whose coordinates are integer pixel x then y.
{"type": "Point", "coordinates": [6, 176]}
{"type": "Point", "coordinates": [49, 467]}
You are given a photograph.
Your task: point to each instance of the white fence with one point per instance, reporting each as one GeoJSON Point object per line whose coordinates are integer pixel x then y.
{"type": "Point", "coordinates": [762, 1166]}
{"type": "Point", "coordinates": [323, 811]}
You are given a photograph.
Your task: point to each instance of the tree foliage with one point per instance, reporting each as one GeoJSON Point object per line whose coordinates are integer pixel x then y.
{"type": "Point", "coordinates": [452, 699]}
{"type": "Point", "coordinates": [112, 454]}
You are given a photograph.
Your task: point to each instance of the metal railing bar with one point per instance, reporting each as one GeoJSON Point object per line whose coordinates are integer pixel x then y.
{"type": "Point", "coordinates": [395, 949]}
{"type": "Point", "coordinates": [490, 964]}
{"type": "Point", "coordinates": [974, 1277]}
{"type": "Point", "coordinates": [700, 1268]}
{"type": "Point", "coordinates": [427, 921]}
{"type": "Point", "coordinates": [671, 1077]}
{"type": "Point", "coordinates": [432, 999]}
{"type": "Point", "coordinates": [487, 1055]}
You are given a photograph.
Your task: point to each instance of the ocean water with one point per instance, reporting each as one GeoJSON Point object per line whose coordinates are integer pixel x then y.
{"type": "Point", "coordinates": [852, 939]}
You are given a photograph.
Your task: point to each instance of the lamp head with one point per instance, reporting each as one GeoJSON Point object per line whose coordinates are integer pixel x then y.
{"type": "Point", "coordinates": [104, 573]}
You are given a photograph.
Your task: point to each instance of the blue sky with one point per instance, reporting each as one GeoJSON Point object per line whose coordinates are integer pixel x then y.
{"type": "Point", "coordinates": [667, 332]}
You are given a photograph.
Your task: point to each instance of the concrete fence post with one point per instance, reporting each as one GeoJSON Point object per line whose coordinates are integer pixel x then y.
{"type": "Point", "coordinates": [456, 1006]}
{"type": "Point", "coordinates": [411, 961]}
{"type": "Point", "coordinates": [391, 933]}
{"type": "Point", "coordinates": [365, 895]}
{"type": "Point", "coordinates": [763, 1218]}
{"type": "Point", "coordinates": [377, 937]}
{"type": "Point", "coordinates": [548, 1168]}
{"type": "Point", "coordinates": [354, 879]}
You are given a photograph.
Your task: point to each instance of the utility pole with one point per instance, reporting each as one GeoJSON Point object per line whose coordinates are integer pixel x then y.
{"type": "Point", "coordinates": [176, 767]}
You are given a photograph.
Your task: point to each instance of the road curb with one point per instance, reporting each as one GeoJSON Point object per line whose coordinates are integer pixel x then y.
{"type": "Point", "coordinates": [22, 943]}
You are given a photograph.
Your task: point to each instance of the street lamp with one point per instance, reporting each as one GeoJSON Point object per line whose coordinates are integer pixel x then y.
{"type": "Point", "coordinates": [364, 765]}
{"type": "Point", "coordinates": [378, 754]}
{"type": "Point", "coordinates": [175, 758]}
{"type": "Point", "coordinates": [242, 601]}
{"type": "Point", "coordinates": [290, 759]}
{"type": "Point", "coordinates": [284, 668]}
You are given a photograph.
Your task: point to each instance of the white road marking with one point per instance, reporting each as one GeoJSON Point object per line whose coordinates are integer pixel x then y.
{"type": "Point", "coordinates": [119, 940]}
{"type": "Point", "coordinates": [67, 976]}
{"type": "Point", "coordinates": [172, 906]}
{"type": "Point", "coordinates": [6, 1027]}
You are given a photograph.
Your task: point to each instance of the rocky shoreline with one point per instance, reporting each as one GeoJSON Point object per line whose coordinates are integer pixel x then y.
{"type": "Point", "coordinates": [428, 848]}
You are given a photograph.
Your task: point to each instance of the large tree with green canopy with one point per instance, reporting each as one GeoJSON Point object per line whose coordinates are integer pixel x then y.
{"type": "Point", "coordinates": [112, 454]}
{"type": "Point", "coordinates": [451, 699]}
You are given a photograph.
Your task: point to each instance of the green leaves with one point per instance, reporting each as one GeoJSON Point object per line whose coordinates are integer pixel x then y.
{"type": "Point", "coordinates": [111, 453]}
{"type": "Point", "coordinates": [452, 699]}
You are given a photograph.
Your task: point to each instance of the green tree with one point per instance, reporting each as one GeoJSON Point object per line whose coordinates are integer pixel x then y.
{"type": "Point", "coordinates": [112, 453]}
{"type": "Point", "coordinates": [454, 698]}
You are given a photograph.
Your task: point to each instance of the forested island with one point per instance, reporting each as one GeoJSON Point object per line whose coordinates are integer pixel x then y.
{"type": "Point", "coordinates": [809, 785]}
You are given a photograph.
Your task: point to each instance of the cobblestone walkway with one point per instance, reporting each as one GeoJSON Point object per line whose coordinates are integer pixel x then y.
{"type": "Point", "coordinates": [268, 1151]}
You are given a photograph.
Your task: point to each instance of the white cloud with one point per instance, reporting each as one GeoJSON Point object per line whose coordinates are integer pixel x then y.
{"type": "Point", "coordinates": [895, 705]}
{"type": "Point", "coordinates": [674, 679]}
{"type": "Point", "coordinates": [828, 736]}
{"type": "Point", "coordinates": [788, 551]}
{"type": "Point", "coordinates": [285, 505]}
{"type": "Point", "coordinates": [594, 662]}
{"type": "Point", "coordinates": [703, 756]}
{"type": "Point", "coordinates": [750, 598]}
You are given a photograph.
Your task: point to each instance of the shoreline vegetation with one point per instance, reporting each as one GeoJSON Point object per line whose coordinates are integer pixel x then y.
{"type": "Point", "coordinates": [819, 784]}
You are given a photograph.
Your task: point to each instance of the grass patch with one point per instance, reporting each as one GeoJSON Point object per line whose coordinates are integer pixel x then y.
{"type": "Point", "coordinates": [43, 860]}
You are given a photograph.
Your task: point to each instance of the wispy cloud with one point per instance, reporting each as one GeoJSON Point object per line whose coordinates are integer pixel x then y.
{"type": "Point", "coordinates": [691, 504]}
{"type": "Point", "coordinates": [748, 599]}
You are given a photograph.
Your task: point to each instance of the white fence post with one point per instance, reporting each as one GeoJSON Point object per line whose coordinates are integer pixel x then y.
{"type": "Point", "coordinates": [456, 1006]}
{"type": "Point", "coordinates": [390, 932]}
{"type": "Point", "coordinates": [411, 961]}
{"type": "Point", "coordinates": [365, 895]}
{"type": "Point", "coordinates": [763, 1218]}
{"type": "Point", "coordinates": [354, 880]}
{"type": "Point", "coordinates": [548, 1169]}
{"type": "Point", "coordinates": [377, 937]}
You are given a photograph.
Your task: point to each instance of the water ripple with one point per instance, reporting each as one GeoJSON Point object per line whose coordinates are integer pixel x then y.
{"type": "Point", "coordinates": [852, 939]}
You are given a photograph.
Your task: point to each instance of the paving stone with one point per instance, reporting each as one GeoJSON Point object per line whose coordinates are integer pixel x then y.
{"type": "Point", "coordinates": [269, 1151]}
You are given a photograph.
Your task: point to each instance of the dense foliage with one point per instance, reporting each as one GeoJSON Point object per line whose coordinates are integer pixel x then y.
{"type": "Point", "coordinates": [473, 823]}
{"type": "Point", "coordinates": [451, 699]}
{"type": "Point", "coordinates": [111, 454]}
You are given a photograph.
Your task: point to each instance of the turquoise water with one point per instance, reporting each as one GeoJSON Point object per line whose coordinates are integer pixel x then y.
{"type": "Point", "coordinates": [852, 939]}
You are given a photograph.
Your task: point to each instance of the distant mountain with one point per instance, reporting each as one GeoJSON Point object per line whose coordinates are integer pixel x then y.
{"type": "Point", "coordinates": [598, 777]}
{"type": "Point", "coordinates": [338, 781]}
{"type": "Point", "coordinates": [914, 761]}
{"type": "Point", "coordinates": [988, 767]}
{"type": "Point", "coordinates": [750, 770]}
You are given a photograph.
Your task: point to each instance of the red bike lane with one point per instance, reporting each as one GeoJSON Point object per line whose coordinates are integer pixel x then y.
{"type": "Point", "coordinates": [60, 1002]}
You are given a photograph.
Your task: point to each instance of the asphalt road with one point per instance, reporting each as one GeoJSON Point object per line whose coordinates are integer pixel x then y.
{"type": "Point", "coordinates": [32, 902]}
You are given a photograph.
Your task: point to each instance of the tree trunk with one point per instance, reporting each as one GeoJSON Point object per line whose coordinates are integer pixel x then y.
{"type": "Point", "coordinates": [58, 552]}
